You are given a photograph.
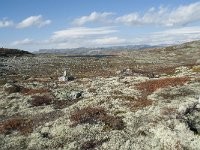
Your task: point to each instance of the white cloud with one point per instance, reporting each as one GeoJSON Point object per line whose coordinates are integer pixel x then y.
{"type": "Point", "coordinates": [33, 21]}
{"type": "Point", "coordinates": [180, 16]}
{"type": "Point", "coordinates": [93, 17]}
{"type": "Point", "coordinates": [6, 23]}
{"type": "Point", "coordinates": [22, 42]}
{"type": "Point", "coordinates": [91, 37]}
{"type": "Point", "coordinates": [74, 37]}
{"type": "Point", "coordinates": [171, 36]}
{"type": "Point", "coordinates": [181, 31]}
{"type": "Point", "coordinates": [81, 32]}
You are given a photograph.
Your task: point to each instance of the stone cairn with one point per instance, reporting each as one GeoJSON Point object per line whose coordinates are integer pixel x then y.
{"type": "Point", "coordinates": [65, 77]}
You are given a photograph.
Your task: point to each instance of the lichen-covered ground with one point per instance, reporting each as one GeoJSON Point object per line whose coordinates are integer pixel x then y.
{"type": "Point", "coordinates": [123, 102]}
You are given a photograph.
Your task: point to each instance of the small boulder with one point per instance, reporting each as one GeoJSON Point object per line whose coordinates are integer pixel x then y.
{"type": "Point", "coordinates": [64, 78]}
{"type": "Point", "coordinates": [75, 94]}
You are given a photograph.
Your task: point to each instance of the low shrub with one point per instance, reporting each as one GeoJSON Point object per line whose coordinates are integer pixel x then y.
{"type": "Point", "coordinates": [40, 100]}
{"type": "Point", "coordinates": [150, 86]}
{"type": "Point", "coordinates": [87, 115]}
{"type": "Point", "coordinates": [92, 144]}
{"type": "Point", "coordinates": [141, 103]}
{"type": "Point", "coordinates": [60, 104]}
{"type": "Point", "coordinates": [29, 91]}
{"type": "Point", "coordinates": [16, 124]}
{"type": "Point", "coordinates": [115, 123]}
{"type": "Point", "coordinates": [93, 115]}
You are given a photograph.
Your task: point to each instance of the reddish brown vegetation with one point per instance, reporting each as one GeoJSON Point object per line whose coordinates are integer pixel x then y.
{"type": "Point", "coordinates": [141, 103]}
{"type": "Point", "coordinates": [40, 100]}
{"type": "Point", "coordinates": [87, 115]}
{"type": "Point", "coordinates": [93, 115]}
{"type": "Point", "coordinates": [60, 104]}
{"type": "Point", "coordinates": [150, 86]}
{"type": "Point", "coordinates": [16, 124]}
{"type": "Point", "coordinates": [26, 125]}
{"type": "Point", "coordinates": [28, 91]}
{"type": "Point", "coordinates": [92, 144]}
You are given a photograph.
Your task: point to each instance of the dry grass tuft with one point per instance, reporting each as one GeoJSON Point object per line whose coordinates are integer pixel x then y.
{"type": "Point", "coordinates": [174, 95]}
{"type": "Point", "coordinates": [197, 79]}
{"type": "Point", "coordinates": [167, 70]}
{"type": "Point", "coordinates": [124, 97]}
{"type": "Point", "coordinates": [167, 111]}
{"type": "Point", "coordinates": [93, 115]}
{"type": "Point", "coordinates": [92, 90]}
{"type": "Point", "coordinates": [16, 124]}
{"type": "Point", "coordinates": [117, 92]}
{"type": "Point", "coordinates": [196, 69]}
{"type": "Point", "coordinates": [40, 100]}
{"type": "Point", "coordinates": [41, 119]}
{"type": "Point", "coordinates": [134, 103]}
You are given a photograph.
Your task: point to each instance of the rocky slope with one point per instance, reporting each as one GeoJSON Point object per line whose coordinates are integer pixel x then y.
{"type": "Point", "coordinates": [6, 52]}
{"type": "Point", "coordinates": [124, 102]}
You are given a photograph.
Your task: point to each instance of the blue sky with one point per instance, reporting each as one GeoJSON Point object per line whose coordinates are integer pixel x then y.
{"type": "Point", "coordinates": [37, 24]}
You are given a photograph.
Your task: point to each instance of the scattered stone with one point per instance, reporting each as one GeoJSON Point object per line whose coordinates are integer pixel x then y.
{"type": "Point", "coordinates": [65, 77]}
{"type": "Point", "coordinates": [151, 75]}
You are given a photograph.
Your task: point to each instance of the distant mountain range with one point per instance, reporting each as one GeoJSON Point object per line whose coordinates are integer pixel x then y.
{"type": "Point", "coordinates": [95, 51]}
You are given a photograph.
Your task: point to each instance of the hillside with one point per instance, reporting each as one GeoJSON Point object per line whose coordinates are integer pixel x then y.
{"type": "Point", "coordinates": [6, 52]}
{"type": "Point", "coordinates": [146, 99]}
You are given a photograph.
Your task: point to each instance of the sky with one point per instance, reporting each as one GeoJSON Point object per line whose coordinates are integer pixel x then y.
{"type": "Point", "coordinates": [48, 24]}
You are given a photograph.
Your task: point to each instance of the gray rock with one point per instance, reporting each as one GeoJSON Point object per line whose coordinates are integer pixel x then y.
{"type": "Point", "coordinates": [75, 94]}
{"type": "Point", "coordinates": [64, 78]}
